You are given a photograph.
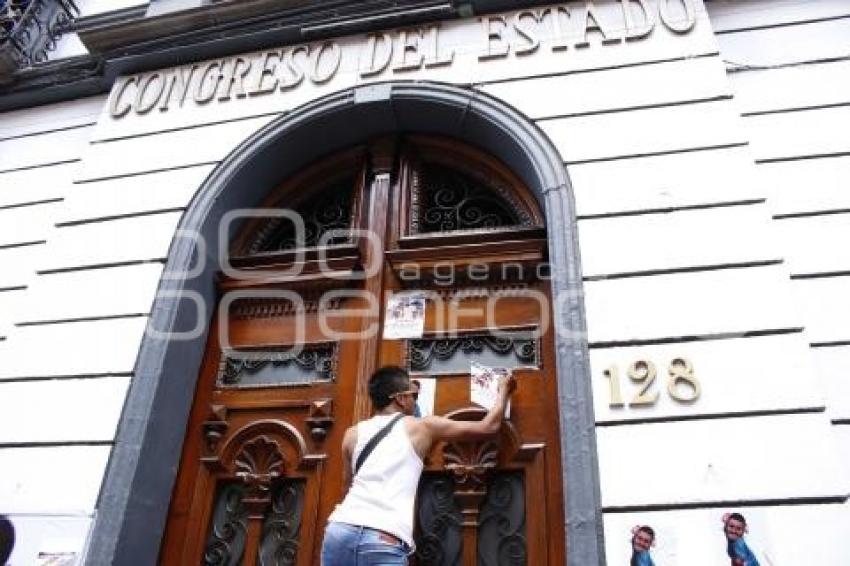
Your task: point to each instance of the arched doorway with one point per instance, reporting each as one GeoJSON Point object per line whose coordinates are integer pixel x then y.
{"type": "Point", "coordinates": [134, 499]}
{"type": "Point", "coordinates": [299, 330]}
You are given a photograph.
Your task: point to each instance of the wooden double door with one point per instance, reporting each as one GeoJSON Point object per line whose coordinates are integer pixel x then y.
{"type": "Point", "coordinates": [299, 329]}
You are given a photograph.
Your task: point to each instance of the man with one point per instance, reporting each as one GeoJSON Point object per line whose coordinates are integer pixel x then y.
{"type": "Point", "coordinates": [7, 539]}
{"type": "Point", "coordinates": [374, 523]}
{"type": "Point", "coordinates": [416, 386]}
{"type": "Point", "coordinates": [643, 538]}
{"type": "Point", "coordinates": [734, 527]}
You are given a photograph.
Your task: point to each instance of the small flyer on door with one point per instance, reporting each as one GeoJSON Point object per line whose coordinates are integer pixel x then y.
{"type": "Point", "coordinates": [405, 316]}
{"type": "Point", "coordinates": [484, 385]}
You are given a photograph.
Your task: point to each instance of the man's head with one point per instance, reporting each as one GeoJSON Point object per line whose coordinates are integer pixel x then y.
{"type": "Point", "coordinates": [734, 525]}
{"type": "Point", "coordinates": [643, 537]}
{"type": "Point", "coordinates": [7, 539]}
{"type": "Point", "coordinates": [391, 384]}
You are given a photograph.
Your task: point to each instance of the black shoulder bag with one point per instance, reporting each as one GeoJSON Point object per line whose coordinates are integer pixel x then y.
{"type": "Point", "coordinates": [374, 442]}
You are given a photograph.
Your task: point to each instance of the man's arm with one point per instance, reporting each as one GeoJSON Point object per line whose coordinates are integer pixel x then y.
{"type": "Point", "coordinates": [435, 429]}
{"type": "Point", "coordinates": [349, 442]}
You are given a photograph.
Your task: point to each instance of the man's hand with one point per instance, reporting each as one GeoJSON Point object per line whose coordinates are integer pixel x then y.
{"type": "Point", "coordinates": [507, 385]}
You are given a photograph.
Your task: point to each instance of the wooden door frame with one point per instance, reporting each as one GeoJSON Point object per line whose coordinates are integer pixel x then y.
{"type": "Point", "coordinates": [134, 498]}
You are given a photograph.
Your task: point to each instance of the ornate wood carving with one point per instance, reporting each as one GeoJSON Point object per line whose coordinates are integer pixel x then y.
{"type": "Point", "coordinates": [470, 464]}
{"type": "Point", "coordinates": [260, 462]}
{"type": "Point", "coordinates": [214, 428]}
{"type": "Point", "coordinates": [314, 361]}
{"type": "Point", "coordinates": [422, 353]}
{"type": "Point", "coordinates": [320, 419]}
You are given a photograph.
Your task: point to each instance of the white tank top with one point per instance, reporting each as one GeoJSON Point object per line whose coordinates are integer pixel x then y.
{"type": "Point", "coordinates": [383, 492]}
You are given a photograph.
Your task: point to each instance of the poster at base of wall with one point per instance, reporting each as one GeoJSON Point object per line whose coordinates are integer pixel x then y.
{"type": "Point", "coordinates": [56, 559]}
{"type": "Point", "coordinates": [719, 536]}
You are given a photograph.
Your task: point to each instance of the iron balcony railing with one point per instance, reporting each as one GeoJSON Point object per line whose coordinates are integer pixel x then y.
{"type": "Point", "coordinates": [29, 30]}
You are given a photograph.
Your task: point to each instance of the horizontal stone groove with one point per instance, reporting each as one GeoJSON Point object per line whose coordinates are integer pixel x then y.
{"type": "Point", "coordinates": [783, 24]}
{"type": "Point", "coordinates": [188, 127]}
{"type": "Point", "coordinates": [841, 421]}
{"type": "Point", "coordinates": [688, 269]}
{"type": "Point", "coordinates": [31, 203]}
{"type": "Point", "coordinates": [636, 107]}
{"type": "Point", "coordinates": [43, 132]}
{"type": "Point", "coordinates": [14, 288]}
{"type": "Point", "coordinates": [666, 210]}
{"type": "Point", "coordinates": [95, 266]}
{"type": "Point", "coordinates": [68, 377]}
{"type": "Point", "coordinates": [146, 172]}
{"type": "Point", "coordinates": [595, 69]}
{"type": "Point", "coordinates": [741, 67]}
{"type": "Point", "coordinates": [80, 319]}
{"type": "Point", "coordinates": [811, 213]}
{"type": "Point", "coordinates": [56, 444]}
{"type": "Point", "coordinates": [693, 338]}
{"type": "Point", "coordinates": [22, 244]}
{"type": "Point", "coordinates": [825, 500]}
{"type": "Point", "coordinates": [711, 416]}
{"type": "Point", "coordinates": [829, 344]}
{"type": "Point", "coordinates": [97, 219]}
{"type": "Point", "coordinates": [40, 165]}
{"type": "Point", "coordinates": [794, 109]}
{"type": "Point", "coordinates": [802, 157]}
{"type": "Point", "coordinates": [657, 153]}
{"type": "Point", "coordinates": [820, 275]}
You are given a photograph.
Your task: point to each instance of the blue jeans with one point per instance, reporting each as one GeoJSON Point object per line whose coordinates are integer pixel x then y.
{"type": "Point", "coordinates": [351, 545]}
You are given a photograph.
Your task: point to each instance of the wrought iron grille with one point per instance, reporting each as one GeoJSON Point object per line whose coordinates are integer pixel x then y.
{"type": "Point", "coordinates": [29, 30]}
{"type": "Point", "coordinates": [448, 355]}
{"type": "Point", "coordinates": [501, 523]}
{"type": "Point", "coordinates": [439, 540]}
{"type": "Point", "coordinates": [327, 214]}
{"type": "Point", "coordinates": [446, 199]}
{"type": "Point", "coordinates": [298, 365]}
{"type": "Point", "coordinates": [281, 525]}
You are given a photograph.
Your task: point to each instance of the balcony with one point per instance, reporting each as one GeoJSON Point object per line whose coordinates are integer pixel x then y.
{"type": "Point", "coordinates": [29, 30]}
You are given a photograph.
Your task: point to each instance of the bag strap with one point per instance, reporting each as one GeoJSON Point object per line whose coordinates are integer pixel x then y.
{"type": "Point", "coordinates": [374, 442]}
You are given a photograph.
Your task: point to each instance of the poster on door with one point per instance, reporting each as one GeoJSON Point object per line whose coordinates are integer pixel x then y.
{"type": "Point", "coordinates": [405, 316]}
{"type": "Point", "coordinates": [484, 385]}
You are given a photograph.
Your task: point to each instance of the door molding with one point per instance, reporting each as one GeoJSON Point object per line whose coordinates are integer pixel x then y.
{"type": "Point", "coordinates": [134, 499]}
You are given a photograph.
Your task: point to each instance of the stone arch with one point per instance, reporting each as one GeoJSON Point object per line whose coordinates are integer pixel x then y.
{"type": "Point", "coordinates": [134, 498]}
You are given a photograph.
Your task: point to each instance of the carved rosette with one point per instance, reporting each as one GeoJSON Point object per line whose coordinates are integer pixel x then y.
{"type": "Point", "coordinates": [470, 464]}
{"type": "Point", "coordinates": [258, 464]}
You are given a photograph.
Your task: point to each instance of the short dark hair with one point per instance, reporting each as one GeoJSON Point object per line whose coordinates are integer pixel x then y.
{"type": "Point", "coordinates": [737, 517]}
{"type": "Point", "coordinates": [647, 529]}
{"type": "Point", "coordinates": [7, 538]}
{"type": "Point", "coordinates": [385, 382]}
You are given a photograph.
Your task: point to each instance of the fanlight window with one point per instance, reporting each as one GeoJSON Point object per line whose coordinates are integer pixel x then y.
{"type": "Point", "coordinates": [451, 200]}
{"type": "Point", "coordinates": [326, 217]}
{"type": "Point", "coordinates": [440, 188]}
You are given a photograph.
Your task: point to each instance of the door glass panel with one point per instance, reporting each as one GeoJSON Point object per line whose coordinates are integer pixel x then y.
{"type": "Point", "coordinates": [450, 200]}
{"type": "Point", "coordinates": [501, 534]}
{"type": "Point", "coordinates": [327, 212]}
{"type": "Point", "coordinates": [501, 523]}
{"type": "Point", "coordinates": [454, 355]}
{"type": "Point", "coordinates": [292, 366]}
{"type": "Point", "coordinates": [439, 540]}
{"type": "Point", "coordinates": [281, 526]}
{"type": "Point", "coordinates": [226, 538]}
